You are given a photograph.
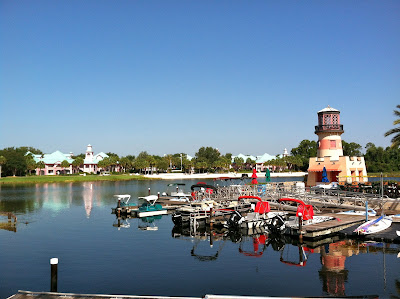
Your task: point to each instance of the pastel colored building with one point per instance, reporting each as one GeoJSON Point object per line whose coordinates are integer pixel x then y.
{"type": "Point", "coordinates": [260, 160]}
{"type": "Point", "coordinates": [339, 168]}
{"type": "Point", "coordinates": [52, 163]}
{"type": "Point", "coordinates": [90, 163]}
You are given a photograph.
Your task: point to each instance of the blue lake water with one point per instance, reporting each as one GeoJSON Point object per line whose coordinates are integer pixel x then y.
{"type": "Point", "coordinates": [73, 222]}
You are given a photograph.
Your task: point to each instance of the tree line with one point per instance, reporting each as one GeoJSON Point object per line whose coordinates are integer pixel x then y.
{"type": "Point", "coordinates": [16, 161]}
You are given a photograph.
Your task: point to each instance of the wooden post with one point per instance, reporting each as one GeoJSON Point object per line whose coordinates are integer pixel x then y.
{"type": "Point", "coordinates": [211, 220]}
{"type": "Point", "coordinates": [300, 215]}
{"type": "Point", "coordinates": [119, 208]}
{"type": "Point", "coordinates": [53, 276]}
{"type": "Point", "coordinates": [158, 195]}
{"type": "Point", "coordinates": [149, 190]}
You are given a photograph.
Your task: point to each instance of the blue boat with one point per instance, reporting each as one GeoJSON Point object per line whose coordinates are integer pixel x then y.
{"type": "Point", "coordinates": [150, 208]}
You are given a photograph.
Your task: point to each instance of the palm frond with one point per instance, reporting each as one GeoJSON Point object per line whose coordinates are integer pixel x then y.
{"type": "Point", "coordinates": [392, 131]}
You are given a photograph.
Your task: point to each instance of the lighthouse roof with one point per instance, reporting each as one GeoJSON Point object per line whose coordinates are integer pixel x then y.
{"type": "Point", "coordinates": [328, 109]}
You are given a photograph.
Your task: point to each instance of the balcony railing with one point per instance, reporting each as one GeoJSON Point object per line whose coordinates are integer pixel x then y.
{"type": "Point", "coordinates": [325, 128]}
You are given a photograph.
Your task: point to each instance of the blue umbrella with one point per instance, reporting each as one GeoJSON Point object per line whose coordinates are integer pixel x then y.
{"type": "Point", "coordinates": [324, 176]}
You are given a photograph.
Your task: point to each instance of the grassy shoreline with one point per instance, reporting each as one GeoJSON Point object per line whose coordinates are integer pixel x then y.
{"type": "Point", "coordinates": [69, 179]}
{"type": "Point", "coordinates": [114, 177]}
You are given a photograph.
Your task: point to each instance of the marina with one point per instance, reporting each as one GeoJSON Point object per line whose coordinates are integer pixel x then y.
{"type": "Point", "coordinates": [155, 248]}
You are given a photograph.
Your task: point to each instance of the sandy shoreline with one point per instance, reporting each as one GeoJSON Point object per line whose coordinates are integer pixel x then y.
{"type": "Point", "coordinates": [182, 176]}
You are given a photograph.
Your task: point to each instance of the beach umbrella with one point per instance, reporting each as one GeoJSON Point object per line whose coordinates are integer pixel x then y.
{"type": "Point", "coordinates": [254, 176]}
{"type": "Point", "coordinates": [267, 176]}
{"type": "Point", "coordinates": [324, 176]}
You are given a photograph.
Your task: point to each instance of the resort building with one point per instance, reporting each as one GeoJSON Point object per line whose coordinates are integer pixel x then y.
{"type": "Point", "coordinates": [91, 160]}
{"type": "Point", "coordinates": [330, 157]}
{"type": "Point", "coordinates": [260, 160]}
{"type": "Point", "coordinates": [52, 163]}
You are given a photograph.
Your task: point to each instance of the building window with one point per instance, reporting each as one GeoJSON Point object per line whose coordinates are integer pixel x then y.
{"type": "Point", "coordinates": [333, 144]}
{"type": "Point", "coordinates": [50, 171]}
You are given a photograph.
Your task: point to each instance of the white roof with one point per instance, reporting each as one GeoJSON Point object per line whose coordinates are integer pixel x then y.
{"type": "Point", "coordinates": [328, 109]}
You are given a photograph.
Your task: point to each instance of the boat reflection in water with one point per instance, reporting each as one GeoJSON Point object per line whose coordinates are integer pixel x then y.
{"type": "Point", "coordinates": [254, 243]}
{"type": "Point", "coordinates": [144, 223]}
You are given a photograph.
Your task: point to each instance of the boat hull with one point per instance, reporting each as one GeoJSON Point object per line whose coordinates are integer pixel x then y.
{"type": "Point", "coordinates": [141, 214]}
{"type": "Point", "coordinates": [374, 226]}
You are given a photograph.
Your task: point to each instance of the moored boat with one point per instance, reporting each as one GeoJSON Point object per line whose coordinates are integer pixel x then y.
{"type": "Point", "coordinates": [374, 226]}
{"type": "Point", "coordinates": [260, 217]}
{"type": "Point", "coordinates": [150, 208]}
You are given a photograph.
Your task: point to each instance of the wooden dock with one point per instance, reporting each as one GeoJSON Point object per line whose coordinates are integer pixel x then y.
{"type": "Point", "coordinates": [50, 295]}
{"type": "Point", "coordinates": [326, 228]}
{"type": "Point", "coordinates": [56, 295]}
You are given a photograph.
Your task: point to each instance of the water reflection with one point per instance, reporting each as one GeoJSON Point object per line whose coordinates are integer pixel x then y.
{"type": "Point", "coordinates": [332, 252]}
{"type": "Point", "coordinates": [144, 223]}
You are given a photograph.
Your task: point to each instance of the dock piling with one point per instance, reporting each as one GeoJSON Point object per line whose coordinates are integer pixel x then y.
{"type": "Point", "coordinates": [300, 215]}
{"type": "Point", "coordinates": [53, 275]}
{"type": "Point", "coordinates": [149, 190]}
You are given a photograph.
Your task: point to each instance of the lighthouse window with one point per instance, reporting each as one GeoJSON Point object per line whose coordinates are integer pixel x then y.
{"type": "Point", "coordinates": [335, 119]}
{"type": "Point", "coordinates": [327, 119]}
{"type": "Point", "coordinates": [333, 143]}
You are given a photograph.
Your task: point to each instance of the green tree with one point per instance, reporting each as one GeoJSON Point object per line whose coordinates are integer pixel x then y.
{"type": "Point", "coordinates": [140, 164]}
{"type": "Point", "coordinates": [125, 163]}
{"type": "Point", "coordinates": [250, 163]}
{"type": "Point", "coordinates": [238, 161]}
{"type": "Point", "coordinates": [30, 163]}
{"type": "Point", "coordinates": [77, 163]}
{"type": "Point", "coordinates": [395, 131]}
{"type": "Point", "coordinates": [16, 161]}
{"type": "Point", "coordinates": [351, 149]}
{"type": "Point", "coordinates": [201, 165]}
{"type": "Point", "coordinates": [65, 164]}
{"type": "Point", "coordinates": [3, 161]}
{"type": "Point", "coordinates": [304, 151]}
{"type": "Point", "coordinates": [162, 164]}
{"type": "Point", "coordinates": [40, 165]}
{"type": "Point", "coordinates": [208, 155]}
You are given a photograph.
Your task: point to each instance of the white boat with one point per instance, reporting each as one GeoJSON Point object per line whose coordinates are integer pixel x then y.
{"type": "Point", "coordinates": [374, 226]}
{"type": "Point", "coordinates": [260, 215]}
{"type": "Point", "coordinates": [371, 212]}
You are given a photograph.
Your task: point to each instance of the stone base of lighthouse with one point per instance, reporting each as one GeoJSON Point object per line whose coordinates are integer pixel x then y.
{"type": "Point", "coordinates": [342, 169]}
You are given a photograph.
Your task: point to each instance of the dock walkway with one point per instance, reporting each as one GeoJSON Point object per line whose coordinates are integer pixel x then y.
{"type": "Point", "coordinates": [50, 295]}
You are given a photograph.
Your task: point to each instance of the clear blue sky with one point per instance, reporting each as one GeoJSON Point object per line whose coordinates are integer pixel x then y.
{"type": "Point", "coordinates": [173, 76]}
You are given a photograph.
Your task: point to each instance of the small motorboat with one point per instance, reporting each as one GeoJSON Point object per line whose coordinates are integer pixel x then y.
{"type": "Point", "coordinates": [150, 208]}
{"type": "Point", "coordinates": [123, 200]}
{"type": "Point", "coordinates": [261, 216]}
{"type": "Point", "coordinates": [374, 226]}
{"type": "Point", "coordinates": [303, 211]}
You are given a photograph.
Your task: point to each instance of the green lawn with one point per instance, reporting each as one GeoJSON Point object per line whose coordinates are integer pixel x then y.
{"type": "Point", "coordinates": [68, 179]}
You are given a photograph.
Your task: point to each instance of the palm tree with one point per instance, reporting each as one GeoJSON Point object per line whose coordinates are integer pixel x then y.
{"type": "Point", "coordinates": [40, 165]}
{"type": "Point", "coordinates": [3, 160]}
{"type": "Point", "coordinates": [77, 163]}
{"type": "Point", "coordinates": [396, 131]}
